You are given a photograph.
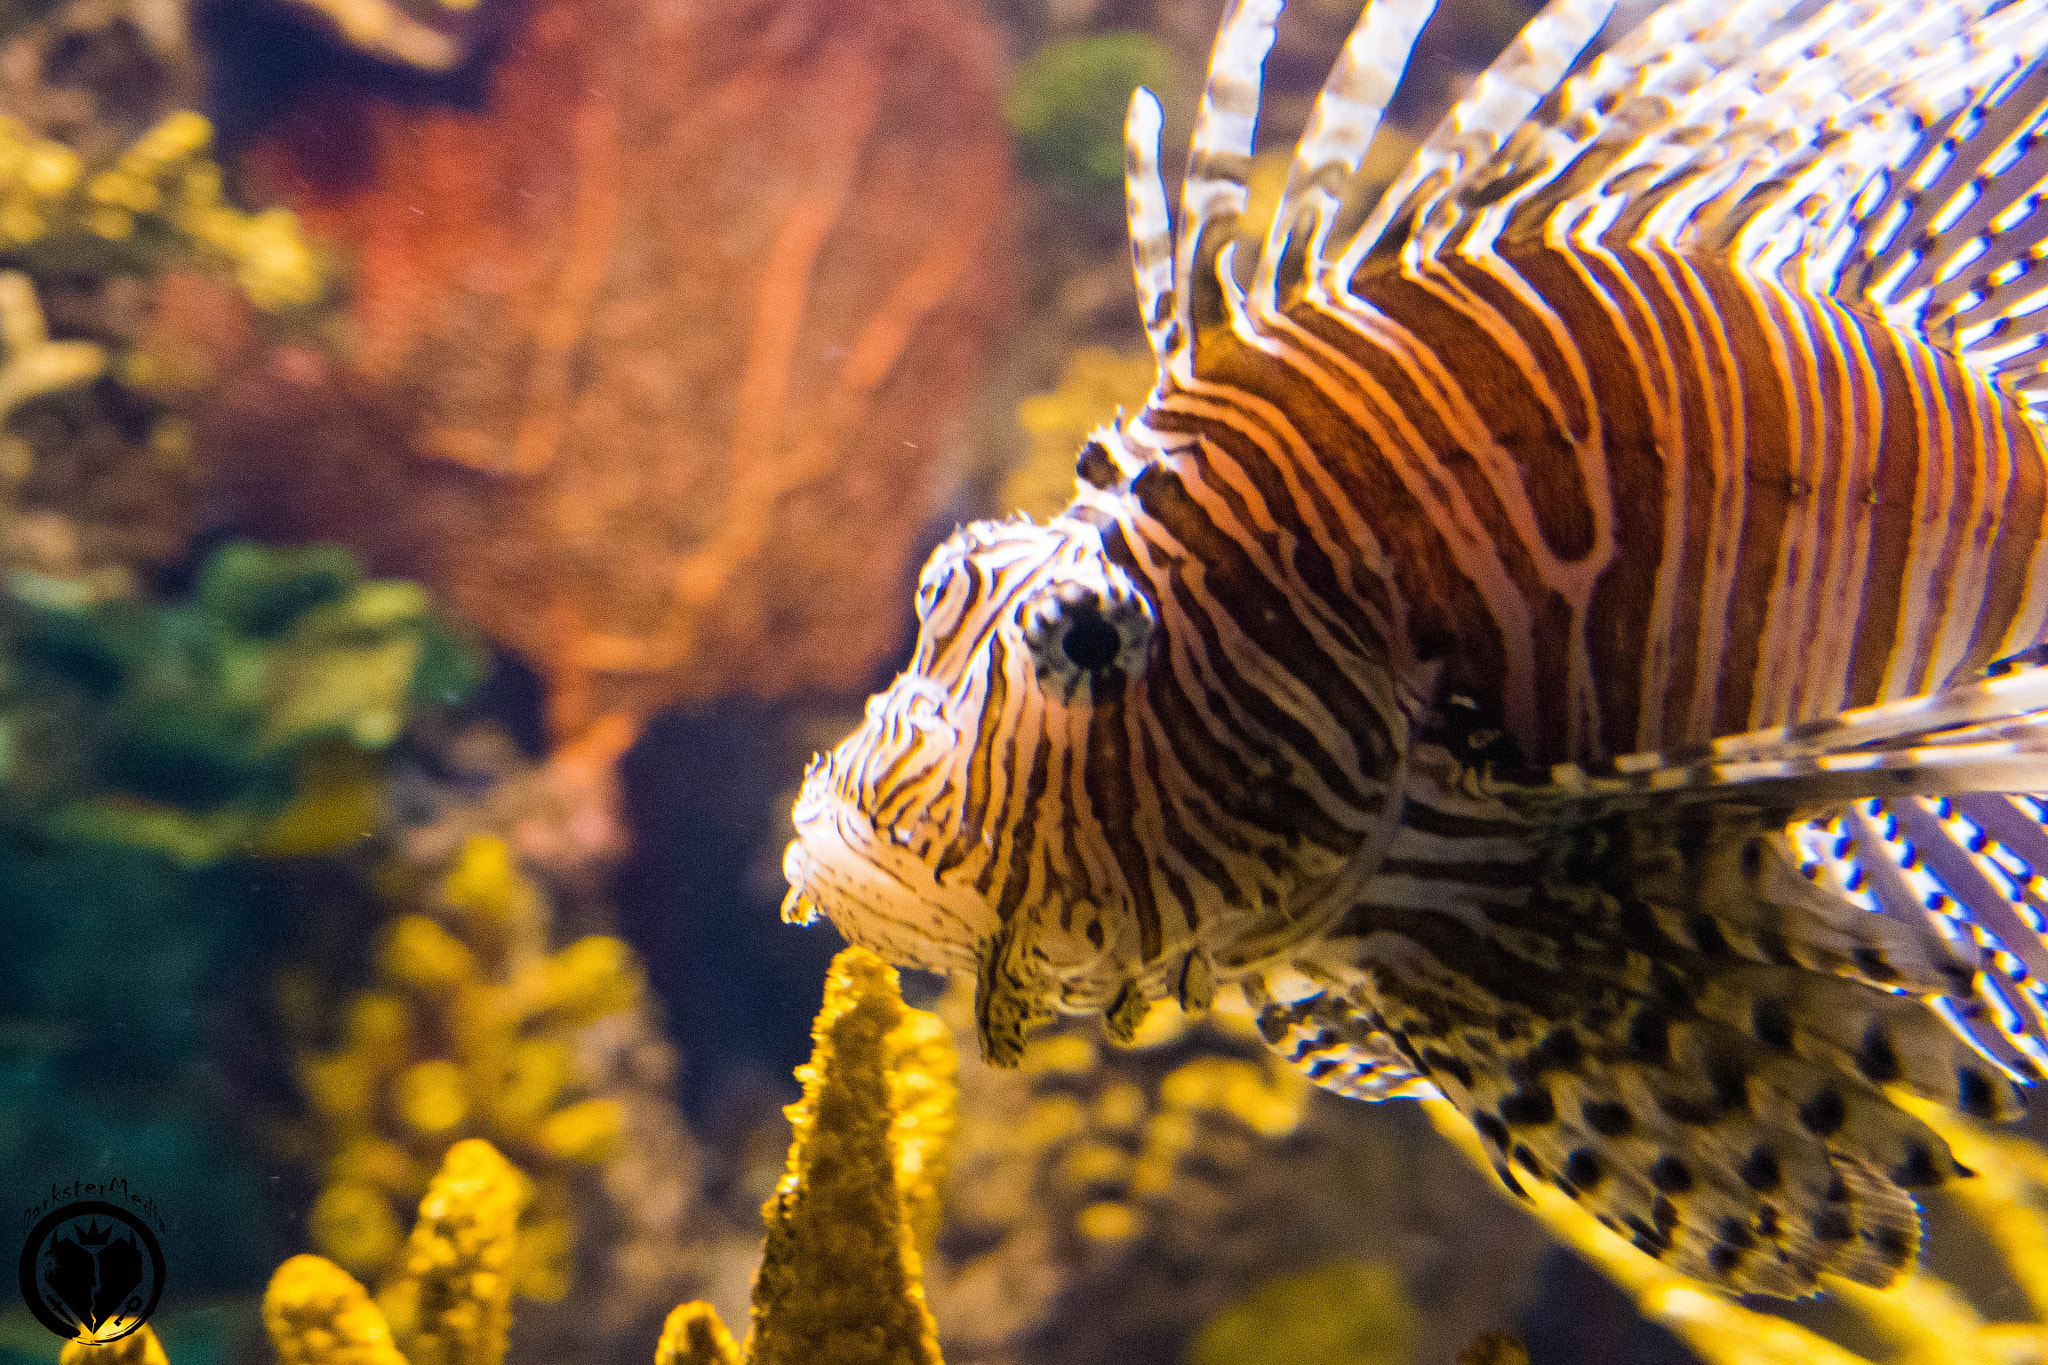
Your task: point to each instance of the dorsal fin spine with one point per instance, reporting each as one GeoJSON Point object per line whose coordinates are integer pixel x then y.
{"type": "Point", "coordinates": [1322, 176]}
{"type": "Point", "coordinates": [1215, 191]}
{"type": "Point", "coordinates": [1481, 122]}
{"type": "Point", "coordinates": [1151, 225]}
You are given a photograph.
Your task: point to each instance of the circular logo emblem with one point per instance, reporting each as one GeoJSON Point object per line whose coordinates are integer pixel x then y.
{"type": "Point", "coordinates": [91, 1269]}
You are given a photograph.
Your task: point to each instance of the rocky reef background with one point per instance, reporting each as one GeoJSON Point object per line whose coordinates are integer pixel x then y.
{"type": "Point", "coordinates": [457, 459]}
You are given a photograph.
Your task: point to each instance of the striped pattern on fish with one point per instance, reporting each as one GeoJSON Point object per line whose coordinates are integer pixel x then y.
{"type": "Point", "coordinates": [1565, 632]}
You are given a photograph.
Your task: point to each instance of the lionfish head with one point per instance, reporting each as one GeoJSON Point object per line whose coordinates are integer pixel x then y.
{"type": "Point", "coordinates": [1028, 797]}
{"type": "Point", "coordinates": [933, 822]}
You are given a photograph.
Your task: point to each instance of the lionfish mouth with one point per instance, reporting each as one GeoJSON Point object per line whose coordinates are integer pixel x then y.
{"type": "Point", "coordinates": [871, 884]}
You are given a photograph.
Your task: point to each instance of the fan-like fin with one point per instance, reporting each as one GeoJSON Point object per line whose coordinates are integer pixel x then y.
{"type": "Point", "coordinates": [1952, 245]}
{"type": "Point", "coordinates": [1478, 125]}
{"type": "Point", "coordinates": [1988, 735]}
{"type": "Point", "coordinates": [1967, 865]}
{"type": "Point", "coordinates": [1797, 131]}
{"type": "Point", "coordinates": [1723, 1113]}
{"type": "Point", "coordinates": [1960, 848]}
{"type": "Point", "coordinates": [1216, 190]}
{"type": "Point", "coordinates": [1151, 226]}
{"type": "Point", "coordinates": [1322, 180]}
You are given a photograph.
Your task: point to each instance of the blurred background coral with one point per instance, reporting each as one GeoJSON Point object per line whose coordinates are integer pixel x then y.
{"type": "Point", "coordinates": [457, 459]}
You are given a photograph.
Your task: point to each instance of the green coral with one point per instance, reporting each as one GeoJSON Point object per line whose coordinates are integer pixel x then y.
{"type": "Point", "coordinates": [189, 726]}
{"type": "Point", "coordinates": [1066, 105]}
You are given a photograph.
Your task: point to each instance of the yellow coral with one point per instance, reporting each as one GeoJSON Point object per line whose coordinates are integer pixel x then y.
{"type": "Point", "coordinates": [693, 1335]}
{"type": "Point", "coordinates": [421, 953]}
{"type": "Point", "coordinates": [317, 1314]}
{"type": "Point", "coordinates": [1346, 1313]}
{"type": "Point", "coordinates": [1094, 384]}
{"type": "Point", "coordinates": [139, 1347]}
{"type": "Point", "coordinates": [841, 1281]}
{"type": "Point", "coordinates": [1267, 1099]}
{"type": "Point", "coordinates": [353, 1220]}
{"type": "Point", "coordinates": [1108, 1220]}
{"type": "Point", "coordinates": [585, 1132]}
{"type": "Point", "coordinates": [431, 1096]}
{"type": "Point", "coordinates": [167, 180]}
{"type": "Point", "coordinates": [537, 1071]}
{"type": "Point", "coordinates": [921, 1065]}
{"type": "Point", "coordinates": [1120, 1144]}
{"type": "Point", "coordinates": [587, 980]}
{"type": "Point", "coordinates": [36, 365]}
{"type": "Point", "coordinates": [467, 1032]}
{"type": "Point", "coordinates": [486, 881]}
{"type": "Point", "coordinates": [452, 1301]}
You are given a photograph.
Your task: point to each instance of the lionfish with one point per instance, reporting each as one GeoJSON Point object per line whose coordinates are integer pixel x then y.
{"type": "Point", "coordinates": [1564, 632]}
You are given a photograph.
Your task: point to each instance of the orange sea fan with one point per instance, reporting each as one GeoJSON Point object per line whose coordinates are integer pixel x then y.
{"type": "Point", "coordinates": [658, 349]}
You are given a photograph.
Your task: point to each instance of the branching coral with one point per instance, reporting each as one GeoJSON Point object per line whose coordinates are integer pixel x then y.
{"type": "Point", "coordinates": [127, 268]}
{"type": "Point", "coordinates": [1108, 1200]}
{"type": "Point", "coordinates": [450, 1304]}
{"type": "Point", "coordinates": [317, 1314]}
{"type": "Point", "coordinates": [1926, 1320]}
{"type": "Point", "coordinates": [840, 1278]}
{"type": "Point", "coordinates": [470, 1028]}
{"type": "Point", "coordinates": [1114, 1140]}
{"type": "Point", "coordinates": [158, 200]}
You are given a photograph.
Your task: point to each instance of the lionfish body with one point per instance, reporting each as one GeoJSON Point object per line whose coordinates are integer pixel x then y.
{"type": "Point", "coordinates": [1564, 632]}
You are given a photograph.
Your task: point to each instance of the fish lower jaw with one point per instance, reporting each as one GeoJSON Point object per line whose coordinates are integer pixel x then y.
{"type": "Point", "coordinates": [869, 900]}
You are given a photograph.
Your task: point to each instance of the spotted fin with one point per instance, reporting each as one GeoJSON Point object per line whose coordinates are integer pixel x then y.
{"type": "Point", "coordinates": [1956, 848]}
{"type": "Point", "coordinates": [1723, 1111]}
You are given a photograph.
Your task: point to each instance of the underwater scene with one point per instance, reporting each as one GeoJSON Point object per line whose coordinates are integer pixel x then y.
{"type": "Point", "coordinates": [1023, 682]}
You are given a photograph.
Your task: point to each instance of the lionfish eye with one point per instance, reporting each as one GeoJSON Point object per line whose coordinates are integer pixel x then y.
{"type": "Point", "coordinates": [1078, 630]}
{"type": "Point", "coordinates": [1091, 642]}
